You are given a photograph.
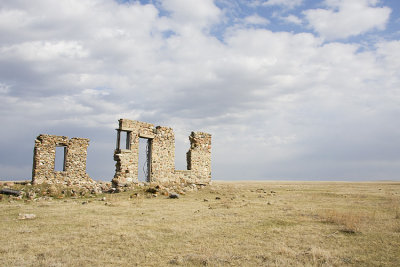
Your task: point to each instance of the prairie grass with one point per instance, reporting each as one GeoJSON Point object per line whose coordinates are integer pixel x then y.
{"type": "Point", "coordinates": [226, 224]}
{"type": "Point", "coordinates": [351, 222]}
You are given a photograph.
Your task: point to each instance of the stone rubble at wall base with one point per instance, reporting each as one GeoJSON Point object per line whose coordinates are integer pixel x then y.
{"type": "Point", "coordinates": [44, 191]}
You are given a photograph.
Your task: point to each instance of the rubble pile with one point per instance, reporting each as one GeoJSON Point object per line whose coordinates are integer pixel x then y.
{"type": "Point", "coordinates": [47, 191]}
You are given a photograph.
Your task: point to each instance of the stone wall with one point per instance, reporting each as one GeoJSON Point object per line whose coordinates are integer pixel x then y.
{"type": "Point", "coordinates": [161, 155]}
{"type": "Point", "coordinates": [74, 162]}
{"type": "Point", "coordinates": [199, 155]}
{"type": "Point", "coordinates": [127, 157]}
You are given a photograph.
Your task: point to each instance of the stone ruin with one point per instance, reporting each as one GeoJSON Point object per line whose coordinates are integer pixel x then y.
{"type": "Point", "coordinates": [160, 157]}
{"type": "Point", "coordinates": [44, 155]}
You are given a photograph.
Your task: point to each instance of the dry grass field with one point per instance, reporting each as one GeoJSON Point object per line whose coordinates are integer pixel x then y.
{"type": "Point", "coordinates": [226, 224]}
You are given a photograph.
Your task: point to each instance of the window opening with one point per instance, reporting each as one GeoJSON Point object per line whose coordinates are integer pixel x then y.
{"type": "Point", "coordinates": [59, 161]}
{"type": "Point", "coordinates": [125, 136]}
{"type": "Point", "coordinates": [144, 164]}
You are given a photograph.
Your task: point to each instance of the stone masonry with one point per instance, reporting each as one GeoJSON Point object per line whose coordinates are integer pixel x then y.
{"type": "Point", "coordinates": [75, 153]}
{"type": "Point", "coordinates": [161, 155]}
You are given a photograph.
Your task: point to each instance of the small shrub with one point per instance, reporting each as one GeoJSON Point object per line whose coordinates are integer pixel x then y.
{"type": "Point", "coordinates": [350, 221]}
{"type": "Point", "coordinates": [319, 256]}
{"type": "Point", "coordinates": [196, 259]}
{"type": "Point", "coordinates": [53, 190]}
{"type": "Point", "coordinates": [396, 207]}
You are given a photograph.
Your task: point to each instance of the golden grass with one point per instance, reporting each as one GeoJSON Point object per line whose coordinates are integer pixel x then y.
{"type": "Point", "coordinates": [351, 222]}
{"type": "Point", "coordinates": [226, 224]}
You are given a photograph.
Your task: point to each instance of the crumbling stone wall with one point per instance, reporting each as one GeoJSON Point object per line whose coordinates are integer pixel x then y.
{"type": "Point", "coordinates": [74, 162]}
{"type": "Point", "coordinates": [161, 155]}
{"type": "Point", "coordinates": [199, 155]}
{"type": "Point", "coordinates": [127, 158]}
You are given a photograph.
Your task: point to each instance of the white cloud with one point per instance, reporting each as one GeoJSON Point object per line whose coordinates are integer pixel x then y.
{"type": "Point", "coordinates": [44, 51]}
{"type": "Point", "coordinates": [256, 20]}
{"type": "Point", "coordinates": [292, 19]}
{"type": "Point", "coordinates": [284, 3]}
{"type": "Point", "coordinates": [193, 13]}
{"type": "Point", "coordinates": [343, 18]}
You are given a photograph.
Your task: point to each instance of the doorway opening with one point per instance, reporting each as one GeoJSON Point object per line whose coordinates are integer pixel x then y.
{"type": "Point", "coordinates": [59, 160]}
{"type": "Point", "coordinates": [144, 164]}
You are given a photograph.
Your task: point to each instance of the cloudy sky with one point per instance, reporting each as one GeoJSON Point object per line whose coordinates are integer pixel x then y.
{"type": "Point", "coordinates": [289, 89]}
